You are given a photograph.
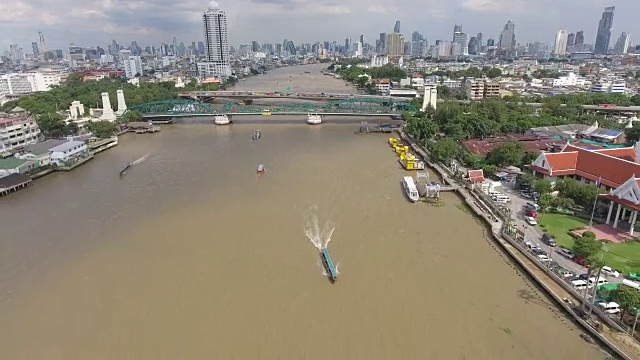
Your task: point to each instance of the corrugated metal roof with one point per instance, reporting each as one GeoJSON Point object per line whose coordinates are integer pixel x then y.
{"type": "Point", "coordinates": [66, 146]}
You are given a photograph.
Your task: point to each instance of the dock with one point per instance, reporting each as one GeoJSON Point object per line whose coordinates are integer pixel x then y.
{"type": "Point", "coordinates": [366, 128]}
{"type": "Point", "coordinates": [13, 182]}
{"type": "Point", "coordinates": [328, 264]}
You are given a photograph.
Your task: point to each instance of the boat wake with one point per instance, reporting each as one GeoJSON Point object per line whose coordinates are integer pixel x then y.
{"type": "Point", "coordinates": [140, 160]}
{"type": "Point", "coordinates": [320, 236]}
{"type": "Point", "coordinates": [319, 233]}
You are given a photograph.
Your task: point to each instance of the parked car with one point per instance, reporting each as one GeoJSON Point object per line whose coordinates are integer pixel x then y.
{"type": "Point", "coordinates": [609, 271]}
{"type": "Point", "coordinates": [526, 194]}
{"type": "Point", "coordinates": [531, 221]}
{"type": "Point", "coordinates": [564, 273]}
{"type": "Point", "coordinates": [532, 206]}
{"type": "Point", "coordinates": [549, 240]}
{"type": "Point", "coordinates": [582, 261]}
{"type": "Point", "coordinates": [566, 253]}
{"type": "Point", "coordinates": [543, 258]}
{"type": "Point", "coordinates": [532, 214]}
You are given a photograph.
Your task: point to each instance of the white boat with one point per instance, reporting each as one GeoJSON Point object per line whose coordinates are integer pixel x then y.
{"type": "Point", "coordinates": [221, 120]}
{"type": "Point", "coordinates": [260, 169]}
{"type": "Point", "coordinates": [411, 189]}
{"type": "Point", "coordinates": [314, 119]}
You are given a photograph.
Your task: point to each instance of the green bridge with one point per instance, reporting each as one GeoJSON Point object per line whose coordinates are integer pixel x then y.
{"type": "Point", "coordinates": [353, 107]}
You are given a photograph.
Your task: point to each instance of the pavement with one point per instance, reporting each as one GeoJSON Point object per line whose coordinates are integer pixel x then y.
{"type": "Point", "coordinates": [534, 234]}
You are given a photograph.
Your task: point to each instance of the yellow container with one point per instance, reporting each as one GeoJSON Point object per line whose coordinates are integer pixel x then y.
{"type": "Point", "coordinates": [403, 156]}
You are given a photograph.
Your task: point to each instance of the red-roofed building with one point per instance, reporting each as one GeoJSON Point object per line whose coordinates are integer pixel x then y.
{"type": "Point", "coordinates": [476, 176]}
{"type": "Point", "coordinates": [615, 170]}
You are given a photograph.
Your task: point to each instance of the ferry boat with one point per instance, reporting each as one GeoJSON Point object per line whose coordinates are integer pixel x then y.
{"type": "Point", "coordinates": [260, 169]}
{"type": "Point", "coordinates": [256, 135]}
{"type": "Point", "coordinates": [314, 119]}
{"type": "Point", "coordinates": [332, 272]}
{"type": "Point", "coordinates": [124, 170]}
{"type": "Point", "coordinates": [221, 120]}
{"type": "Point", "coordinates": [410, 189]}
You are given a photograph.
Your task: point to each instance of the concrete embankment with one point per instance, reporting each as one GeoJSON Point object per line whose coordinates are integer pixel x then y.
{"type": "Point", "coordinates": [611, 335]}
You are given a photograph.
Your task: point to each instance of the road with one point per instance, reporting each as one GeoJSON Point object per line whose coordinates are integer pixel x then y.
{"type": "Point", "coordinates": [534, 234]}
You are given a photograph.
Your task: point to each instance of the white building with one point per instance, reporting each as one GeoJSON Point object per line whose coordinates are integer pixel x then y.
{"type": "Point", "coordinates": [133, 66]}
{"type": "Point", "coordinates": [614, 87]}
{"type": "Point", "coordinates": [571, 79]}
{"type": "Point", "coordinates": [379, 60]}
{"type": "Point", "coordinates": [216, 43]}
{"type": "Point", "coordinates": [17, 132]}
{"type": "Point", "coordinates": [62, 154]}
{"type": "Point", "coordinates": [16, 84]}
{"type": "Point", "coordinates": [560, 48]}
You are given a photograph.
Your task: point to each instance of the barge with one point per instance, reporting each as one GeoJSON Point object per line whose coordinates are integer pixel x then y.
{"type": "Point", "coordinates": [124, 170]}
{"type": "Point", "coordinates": [332, 272]}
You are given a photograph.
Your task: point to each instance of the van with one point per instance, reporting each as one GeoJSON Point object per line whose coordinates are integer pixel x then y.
{"type": "Point", "coordinates": [601, 281]}
{"type": "Point", "coordinates": [501, 198]}
{"type": "Point", "coordinates": [579, 284]}
{"type": "Point", "coordinates": [631, 284]}
{"type": "Point", "coordinates": [610, 307]}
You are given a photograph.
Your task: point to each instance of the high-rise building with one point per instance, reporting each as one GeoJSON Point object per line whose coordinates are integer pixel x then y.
{"type": "Point", "coordinates": [622, 45]}
{"type": "Point", "coordinates": [604, 31]}
{"type": "Point", "coordinates": [216, 43]}
{"type": "Point", "coordinates": [507, 42]}
{"type": "Point", "coordinates": [462, 39]}
{"type": "Point", "coordinates": [579, 38]}
{"type": "Point", "coordinates": [395, 44]}
{"type": "Point", "coordinates": [456, 29]}
{"type": "Point", "coordinates": [480, 39]}
{"type": "Point", "coordinates": [560, 48]}
{"type": "Point", "coordinates": [382, 43]}
{"type": "Point", "coordinates": [396, 27]}
{"type": "Point", "coordinates": [473, 45]}
{"type": "Point", "coordinates": [571, 40]}
{"type": "Point", "coordinates": [42, 48]}
{"type": "Point", "coordinates": [34, 48]}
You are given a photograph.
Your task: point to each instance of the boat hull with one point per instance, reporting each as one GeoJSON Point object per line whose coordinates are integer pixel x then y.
{"type": "Point", "coordinates": [332, 272]}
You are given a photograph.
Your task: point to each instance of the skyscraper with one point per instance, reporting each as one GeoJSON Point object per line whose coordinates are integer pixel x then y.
{"type": "Point", "coordinates": [382, 43]}
{"type": "Point", "coordinates": [560, 48]}
{"type": "Point", "coordinates": [604, 31]}
{"type": "Point", "coordinates": [42, 49]}
{"type": "Point", "coordinates": [571, 39]}
{"type": "Point", "coordinates": [622, 45]}
{"type": "Point", "coordinates": [216, 43]}
{"type": "Point", "coordinates": [456, 29]}
{"type": "Point", "coordinates": [396, 27]}
{"type": "Point", "coordinates": [507, 42]}
{"type": "Point", "coordinates": [480, 39]}
{"type": "Point", "coordinates": [579, 38]}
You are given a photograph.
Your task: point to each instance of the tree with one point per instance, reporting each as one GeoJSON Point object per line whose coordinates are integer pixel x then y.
{"type": "Point", "coordinates": [507, 154]}
{"type": "Point", "coordinates": [627, 297]}
{"type": "Point", "coordinates": [525, 180]}
{"type": "Point", "coordinates": [70, 129]}
{"type": "Point", "coordinates": [494, 73]}
{"type": "Point", "coordinates": [542, 186]}
{"type": "Point", "coordinates": [102, 129]}
{"type": "Point", "coordinates": [444, 150]}
{"type": "Point", "coordinates": [632, 134]}
{"type": "Point", "coordinates": [132, 116]}
{"type": "Point", "coordinates": [545, 202]}
{"type": "Point", "coordinates": [587, 246]}
{"type": "Point", "coordinates": [51, 125]}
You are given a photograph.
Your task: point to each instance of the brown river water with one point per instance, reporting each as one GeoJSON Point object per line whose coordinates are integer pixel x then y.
{"type": "Point", "coordinates": [192, 255]}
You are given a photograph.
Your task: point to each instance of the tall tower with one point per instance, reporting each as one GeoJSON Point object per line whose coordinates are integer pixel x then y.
{"type": "Point", "coordinates": [396, 27]}
{"type": "Point", "coordinates": [107, 111]}
{"type": "Point", "coordinates": [507, 41]}
{"type": "Point", "coordinates": [430, 96]}
{"type": "Point", "coordinates": [43, 45]}
{"type": "Point", "coordinates": [122, 105]}
{"type": "Point", "coordinates": [604, 31]}
{"type": "Point", "coordinates": [216, 43]}
{"type": "Point", "coordinates": [560, 48]}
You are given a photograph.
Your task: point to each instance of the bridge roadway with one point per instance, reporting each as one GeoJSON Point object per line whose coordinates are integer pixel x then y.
{"type": "Point", "coordinates": [202, 95]}
{"type": "Point", "coordinates": [246, 95]}
{"type": "Point", "coordinates": [232, 114]}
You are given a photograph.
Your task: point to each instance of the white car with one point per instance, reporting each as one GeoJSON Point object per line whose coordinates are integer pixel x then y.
{"type": "Point", "coordinates": [609, 271]}
{"type": "Point", "coordinates": [543, 258]}
{"type": "Point", "coordinates": [531, 221]}
{"type": "Point", "coordinates": [566, 253]}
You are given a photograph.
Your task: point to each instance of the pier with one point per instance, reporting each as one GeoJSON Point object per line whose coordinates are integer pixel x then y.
{"type": "Point", "coordinates": [328, 264]}
{"type": "Point", "coordinates": [12, 183]}
{"type": "Point", "coordinates": [366, 128]}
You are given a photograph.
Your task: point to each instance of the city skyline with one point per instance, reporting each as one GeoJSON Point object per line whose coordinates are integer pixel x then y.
{"type": "Point", "coordinates": [159, 21]}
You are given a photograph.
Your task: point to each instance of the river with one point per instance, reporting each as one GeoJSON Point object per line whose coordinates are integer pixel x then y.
{"type": "Point", "coordinates": [192, 255]}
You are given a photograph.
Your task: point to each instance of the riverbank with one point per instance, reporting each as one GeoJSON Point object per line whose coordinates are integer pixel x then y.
{"type": "Point", "coordinates": [502, 233]}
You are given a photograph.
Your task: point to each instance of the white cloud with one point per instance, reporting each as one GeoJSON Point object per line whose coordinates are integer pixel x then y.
{"type": "Point", "coordinates": [380, 9]}
{"type": "Point", "coordinates": [493, 6]}
{"type": "Point", "coordinates": [14, 12]}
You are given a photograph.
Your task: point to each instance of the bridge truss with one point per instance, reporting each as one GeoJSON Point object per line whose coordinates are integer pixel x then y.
{"type": "Point", "coordinates": [347, 106]}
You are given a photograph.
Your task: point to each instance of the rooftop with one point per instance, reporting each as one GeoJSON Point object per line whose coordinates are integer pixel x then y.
{"type": "Point", "coordinates": [12, 163]}
{"type": "Point", "coordinates": [68, 145]}
{"type": "Point", "coordinates": [13, 180]}
{"type": "Point", "coordinates": [43, 147]}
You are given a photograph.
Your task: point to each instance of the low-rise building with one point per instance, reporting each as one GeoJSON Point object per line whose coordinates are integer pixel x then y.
{"type": "Point", "coordinates": [68, 152]}
{"type": "Point", "coordinates": [17, 132]}
{"type": "Point", "coordinates": [10, 166]}
{"type": "Point", "coordinates": [39, 153]}
{"type": "Point", "coordinates": [478, 89]}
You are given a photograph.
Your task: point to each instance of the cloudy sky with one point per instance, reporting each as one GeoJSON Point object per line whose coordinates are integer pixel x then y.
{"type": "Point", "coordinates": [91, 22]}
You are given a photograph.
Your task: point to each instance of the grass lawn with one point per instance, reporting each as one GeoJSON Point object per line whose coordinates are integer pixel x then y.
{"type": "Point", "coordinates": [622, 257]}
